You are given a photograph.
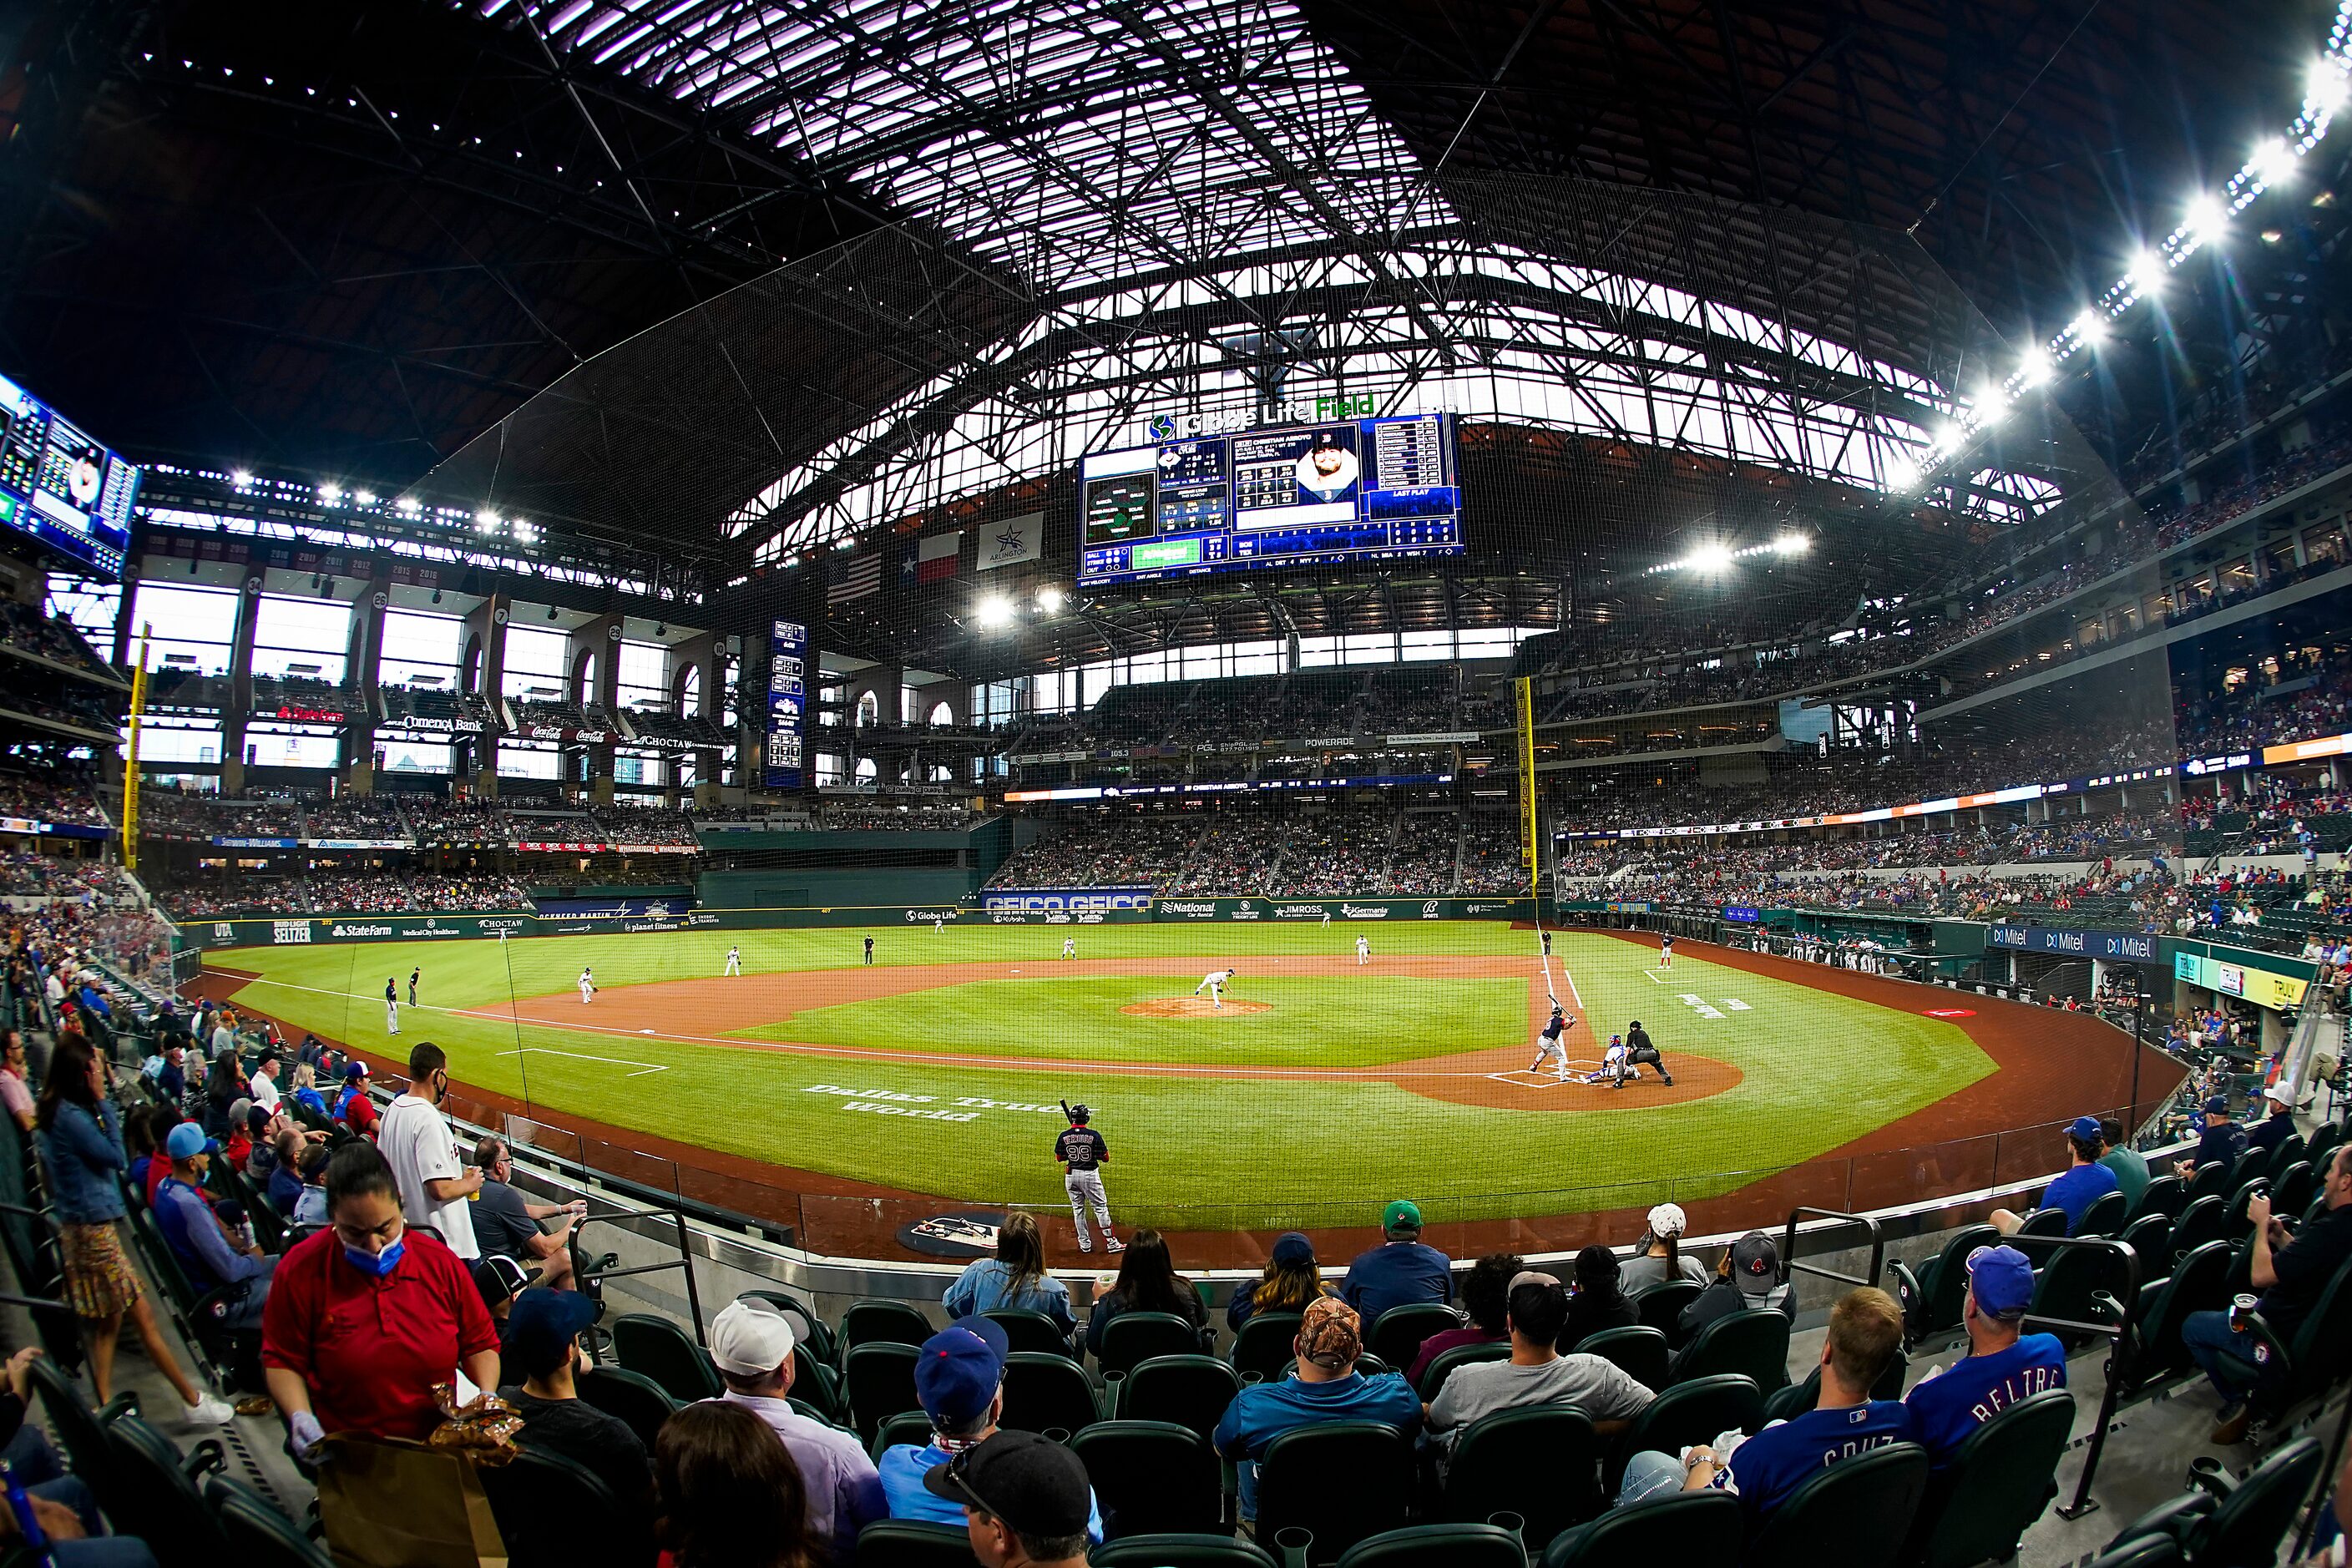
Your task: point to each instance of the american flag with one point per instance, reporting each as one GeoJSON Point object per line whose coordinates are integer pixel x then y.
{"type": "Point", "coordinates": [855, 577]}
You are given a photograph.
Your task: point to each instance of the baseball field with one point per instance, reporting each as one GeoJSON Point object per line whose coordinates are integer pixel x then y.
{"type": "Point", "coordinates": [1321, 1087]}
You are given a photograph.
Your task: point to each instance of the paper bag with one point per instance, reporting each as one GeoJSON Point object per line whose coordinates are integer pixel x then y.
{"type": "Point", "coordinates": [392, 1504]}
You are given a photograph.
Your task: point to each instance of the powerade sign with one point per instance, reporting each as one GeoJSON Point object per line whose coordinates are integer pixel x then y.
{"type": "Point", "coordinates": [2122, 946]}
{"type": "Point", "coordinates": [1071, 899]}
{"type": "Point", "coordinates": [1742, 914]}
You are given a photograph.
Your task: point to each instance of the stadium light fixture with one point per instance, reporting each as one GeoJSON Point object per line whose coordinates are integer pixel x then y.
{"type": "Point", "coordinates": [1793, 544]}
{"type": "Point", "coordinates": [2273, 161]}
{"type": "Point", "coordinates": [2034, 369]}
{"type": "Point", "coordinates": [242, 478]}
{"type": "Point", "coordinates": [2146, 273]}
{"type": "Point", "coordinates": [1051, 599]}
{"type": "Point", "coordinates": [2206, 221]}
{"type": "Point", "coordinates": [2090, 328]}
{"type": "Point", "coordinates": [330, 493]}
{"type": "Point", "coordinates": [486, 522]}
{"type": "Point", "coordinates": [2326, 86]}
{"type": "Point", "coordinates": [994, 611]}
{"type": "Point", "coordinates": [409, 506]}
{"type": "Point", "coordinates": [1709, 558]}
{"type": "Point", "coordinates": [363, 498]}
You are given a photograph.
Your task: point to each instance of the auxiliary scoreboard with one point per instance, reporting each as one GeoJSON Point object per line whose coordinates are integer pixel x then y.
{"type": "Point", "coordinates": [1307, 495]}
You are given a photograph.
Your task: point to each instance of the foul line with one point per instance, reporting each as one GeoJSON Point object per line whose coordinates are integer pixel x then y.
{"type": "Point", "coordinates": [581, 1055]}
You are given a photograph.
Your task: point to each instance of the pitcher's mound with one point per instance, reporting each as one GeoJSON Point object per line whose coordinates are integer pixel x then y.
{"type": "Point", "coordinates": [1192, 1008]}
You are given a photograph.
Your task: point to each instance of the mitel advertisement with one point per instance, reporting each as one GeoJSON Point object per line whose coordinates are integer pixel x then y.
{"type": "Point", "coordinates": [2117, 946]}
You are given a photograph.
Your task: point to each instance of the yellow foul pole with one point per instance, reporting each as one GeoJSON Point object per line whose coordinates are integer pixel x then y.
{"type": "Point", "coordinates": [130, 755]}
{"type": "Point", "coordinates": [1530, 847]}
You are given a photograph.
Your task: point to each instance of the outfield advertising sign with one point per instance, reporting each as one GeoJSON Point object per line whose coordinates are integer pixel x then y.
{"type": "Point", "coordinates": [2233, 976]}
{"type": "Point", "coordinates": [1076, 900]}
{"type": "Point", "coordinates": [2115, 946]}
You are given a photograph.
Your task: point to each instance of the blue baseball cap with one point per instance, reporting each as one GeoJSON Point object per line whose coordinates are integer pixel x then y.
{"type": "Point", "coordinates": [540, 1327]}
{"type": "Point", "coordinates": [2001, 1279]}
{"type": "Point", "coordinates": [2083, 1127]}
{"type": "Point", "coordinates": [961, 1365]}
{"type": "Point", "coordinates": [1292, 1246]}
{"type": "Point", "coordinates": [187, 1140]}
{"type": "Point", "coordinates": [2218, 1106]}
{"type": "Point", "coordinates": [355, 1070]}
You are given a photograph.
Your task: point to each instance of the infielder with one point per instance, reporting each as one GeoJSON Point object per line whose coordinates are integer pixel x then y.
{"type": "Point", "coordinates": [1640, 1052]}
{"type": "Point", "coordinates": [1069, 947]}
{"type": "Point", "coordinates": [1082, 1151]}
{"type": "Point", "coordinates": [1553, 1044]}
{"type": "Point", "coordinates": [1214, 983]}
{"type": "Point", "coordinates": [587, 986]}
{"type": "Point", "coordinates": [415, 976]}
{"type": "Point", "coordinates": [1363, 950]}
{"type": "Point", "coordinates": [391, 1008]}
{"type": "Point", "coordinates": [734, 960]}
{"type": "Point", "coordinates": [1665, 953]}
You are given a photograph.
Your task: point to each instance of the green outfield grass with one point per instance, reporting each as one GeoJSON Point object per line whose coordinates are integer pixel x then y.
{"type": "Point", "coordinates": [1195, 1151]}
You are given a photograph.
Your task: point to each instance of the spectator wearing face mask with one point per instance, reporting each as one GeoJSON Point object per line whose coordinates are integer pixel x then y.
{"type": "Point", "coordinates": [365, 1317]}
{"type": "Point", "coordinates": [416, 1141]}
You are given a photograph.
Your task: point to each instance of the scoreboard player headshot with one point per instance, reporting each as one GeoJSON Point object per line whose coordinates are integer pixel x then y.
{"type": "Point", "coordinates": [1327, 469]}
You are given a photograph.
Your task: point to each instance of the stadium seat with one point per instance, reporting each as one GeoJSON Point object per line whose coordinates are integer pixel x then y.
{"type": "Point", "coordinates": [1342, 1481]}
{"type": "Point", "coordinates": [1264, 1344]}
{"type": "Point", "coordinates": [2290, 1152]}
{"type": "Point", "coordinates": [1046, 1391]}
{"type": "Point", "coordinates": [660, 1350]}
{"type": "Point", "coordinates": [2068, 1289]}
{"type": "Point", "coordinates": [1027, 1330]}
{"type": "Point", "coordinates": [1439, 1546]}
{"type": "Point", "coordinates": [2322, 1146]}
{"type": "Point", "coordinates": [1686, 1528]}
{"type": "Point", "coordinates": [913, 1543]}
{"type": "Point", "coordinates": [2150, 1240]}
{"type": "Point", "coordinates": [1542, 1463]}
{"type": "Point", "coordinates": [1998, 1483]}
{"type": "Point", "coordinates": [2237, 1226]}
{"type": "Point", "coordinates": [258, 1535]}
{"type": "Point", "coordinates": [2153, 1551]}
{"type": "Point", "coordinates": [1396, 1337]}
{"type": "Point", "coordinates": [2211, 1179]}
{"type": "Point", "coordinates": [2040, 1223]}
{"type": "Point", "coordinates": [1685, 1413]}
{"type": "Point", "coordinates": [1855, 1514]}
{"type": "Point", "coordinates": [2318, 1358]}
{"type": "Point", "coordinates": [1441, 1366]}
{"type": "Point", "coordinates": [2205, 1219]}
{"type": "Point", "coordinates": [811, 1335]}
{"type": "Point", "coordinates": [1152, 1477]}
{"type": "Point", "coordinates": [2252, 1166]}
{"type": "Point", "coordinates": [2200, 1283]}
{"type": "Point", "coordinates": [555, 1513]}
{"type": "Point", "coordinates": [1636, 1350]}
{"type": "Point", "coordinates": [1788, 1403]}
{"type": "Point", "coordinates": [637, 1401]}
{"type": "Point", "coordinates": [2105, 1217]}
{"type": "Point", "coordinates": [2245, 1526]}
{"type": "Point", "coordinates": [1132, 1338]}
{"type": "Point", "coordinates": [2294, 1186]}
{"type": "Point", "coordinates": [1181, 1551]}
{"type": "Point", "coordinates": [906, 1426]}
{"type": "Point", "coordinates": [2166, 1195]}
{"type": "Point", "coordinates": [83, 1431]}
{"type": "Point", "coordinates": [877, 1322]}
{"type": "Point", "coordinates": [1931, 1298]}
{"type": "Point", "coordinates": [815, 1383]}
{"type": "Point", "coordinates": [1191, 1390]}
{"type": "Point", "coordinates": [879, 1380]}
{"type": "Point", "coordinates": [1753, 1342]}
{"type": "Point", "coordinates": [1660, 1305]}
{"type": "Point", "coordinates": [160, 1497]}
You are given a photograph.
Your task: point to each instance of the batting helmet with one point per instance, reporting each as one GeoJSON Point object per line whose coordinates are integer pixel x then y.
{"type": "Point", "coordinates": [1079, 1114]}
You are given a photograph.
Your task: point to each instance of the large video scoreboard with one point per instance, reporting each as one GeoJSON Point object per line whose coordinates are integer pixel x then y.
{"type": "Point", "coordinates": [1306, 495]}
{"type": "Point", "coordinates": [61, 488]}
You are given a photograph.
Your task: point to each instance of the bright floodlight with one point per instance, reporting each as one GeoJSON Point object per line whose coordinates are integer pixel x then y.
{"type": "Point", "coordinates": [242, 478]}
{"type": "Point", "coordinates": [2090, 328]}
{"type": "Point", "coordinates": [363, 498]}
{"type": "Point", "coordinates": [1902, 474]}
{"type": "Point", "coordinates": [1991, 408]}
{"type": "Point", "coordinates": [2326, 87]}
{"type": "Point", "coordinates": [995, 610]}
{"type": "Point", "coordinates": [486, 522]}
{"type": "Point", "coordinates": [409, 506]}
{"type": "Point", "coordinates": [2033, 369]}
{"type": "Point", "coordinates": [330, 493]}
{"type": "Point", "coordinates": [1709, 558]}
{"type": "Point", "coordinates": [1793, 544]}
{"type": "Point", "coordinates": [1051, 599]}
{"type": "Point", "coordinates": [2274, 161]}
{"type": "Point", "coordinates": [2207, 220]}
{"type": "Point", "coordinates": [2147, 273]}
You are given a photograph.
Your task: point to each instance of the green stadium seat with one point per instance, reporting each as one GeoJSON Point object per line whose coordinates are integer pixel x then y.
{"type": "Point", "coordinates": [2067, 1289]}
{"type": "Point", "coordinates": [2150, 1240]}
{"type": "Point", "coordinates": [83, 1431]}
{"type": "Point", "coordinates": [1690, 1528]}
{"type": "Point", "coordinates": [879, 1380]}
{"type": "Point", "coordinates": [1264, 1344]}
{"type": "Point", "coordinates": [2200, 1283]}
{"type": "Point", "coordinates": [1396, 1337]}
{"type": "Point", "coordinates": [1660, 1305]}
{"type": "Point", "coordinates": [1753, 1342]}
{"type": "Point", "coordinates": [873, 1322]}
{"type": "Point", "coordinates": [1542, 1463]}
{"type": "Point", "coordinates": [636, 1399]}
{"type": "Point", "coordinates": [258, 1535]}
{"type": "Point", "coordinates": [1134, 1337]}
{"type": "Point", "coordinates": [1152, 1477]}
{"type": "Point", "coordinates": [1999, 1482]}
{"type": "Point", "coordinates": [158, 1496]}
{"type": "Point", "coordinates": [906, 1427]}
{"type": "Point", "coordinates": [554, 1513]}
{"type": "Point", "coordinates": [2105, 1217]}
{"type": "Point", "coordinates": [1342, 1481]}
{"type": "Point", "coordinates": [1045, 1391]}
{"type": "Point", "coordinates": [913, 1543]}
{"type": "Point", "coordinates": [1027, 1330]}
{"type": "Point", "coordinates": [2166, 1195]}
{"type": "Point", "coordinates": [2211, 1179]}
{"type": "Point", "coordinates": [2207, 1218]}
{"type": "Point", "coordinates": [1685, 1413]}
{"type": "Point", "coordinates": [1445, 1362]}
{"type": "Point", "coordinates": [658, 1349]}
{"type": "Point", "coordinates": [1181, 1551]}
{"type": "Point", "coordinates": [1855, 1514]}
{"type": "Point", "coordinates": [1637, 1349]}
{"type": "Point", "coordinates": [2247, 1526]}
{"type": "Point", "coordinates": [1931, 1298]}
{"type": "Point", "coordinates": [1191, 1390]}
{"type": "Point", "coordinates": [2294, 1187]}
{"type": "Point", "coordinates": [1439, 1546]}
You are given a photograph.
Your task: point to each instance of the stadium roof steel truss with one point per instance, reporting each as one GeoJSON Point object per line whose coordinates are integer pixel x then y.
{"type": "Point", "coordinates": [1190, 202]}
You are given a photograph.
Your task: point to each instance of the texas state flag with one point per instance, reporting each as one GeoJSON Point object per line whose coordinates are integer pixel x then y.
{"type": "Point", "coordinates": [938, 557]}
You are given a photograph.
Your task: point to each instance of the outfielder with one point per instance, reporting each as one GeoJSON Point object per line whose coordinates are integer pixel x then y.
{"type": "Point", "coordinates": [1214, 983]}
{"type": "Point", "coordinates": [587, 986]}
{"type": "Point", "coordinates": [1665, 953]}
{"type": "Point", "coordinates": [1553, 1044]}
{"type": "Point", "coordinates": [1082, 1151]}
{"type": "Point", "coordinates": [1326, 917]}
{"type": "Point", "coordinates": [1069, 947]}
{"type": "Point", "coordinates": [1640, 1052]}
{"type": "Point", "coordinates": [391, 1008]}
{"type": "Point", "coordinates": [735, 961]}
{"type": "Point", "coordinates": [1363, 950]}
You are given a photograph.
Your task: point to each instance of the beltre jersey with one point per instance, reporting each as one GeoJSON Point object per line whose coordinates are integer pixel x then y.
{"type": "Point", "coordinates": [1081, 1148]}
{"type": "Point", "coordinates": [1953, 1402]}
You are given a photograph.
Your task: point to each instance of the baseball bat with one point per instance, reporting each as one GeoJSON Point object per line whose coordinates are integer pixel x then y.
{"type": "Point", "coordinates": [1066, 1110]}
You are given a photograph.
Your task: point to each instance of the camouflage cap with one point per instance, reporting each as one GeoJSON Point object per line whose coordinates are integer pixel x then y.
{"type": "Point", "coordinates": [1330, 1335]}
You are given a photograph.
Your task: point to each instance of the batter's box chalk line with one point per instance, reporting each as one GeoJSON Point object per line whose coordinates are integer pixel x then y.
{"type": "Point", "coordinates": [1522, 1078]}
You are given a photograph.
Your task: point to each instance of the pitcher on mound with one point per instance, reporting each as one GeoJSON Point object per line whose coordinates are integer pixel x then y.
{"type": "Point", "coordinates": [1214, 983]}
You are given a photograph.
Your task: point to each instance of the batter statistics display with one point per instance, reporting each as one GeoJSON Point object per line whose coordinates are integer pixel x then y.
{"type": "Point", "coordinates": [60, 486]}
{"type": "Point", "coordinates": [1306, 495]}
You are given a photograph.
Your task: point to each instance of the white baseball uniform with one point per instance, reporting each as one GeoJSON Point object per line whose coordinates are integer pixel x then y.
{"type": "Point", "coordinates": [734, 960]}
{"type": "Point", "coordinates": [1613, 1063]}
{"type": "Point", "coordinates": [1363, 950]}
{"type": "Point", "coordinates": [1069, 947]}
{"type": "Point", "coordinates": [391, 1016]}
{"type": "Point", "coordinates": [1214, 983]}
{"type": "Point", "coordinates": [587, 987]}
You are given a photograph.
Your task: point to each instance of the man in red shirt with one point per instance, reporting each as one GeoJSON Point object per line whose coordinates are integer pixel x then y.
{"type": "Point", "coordinates": [366, 1316]}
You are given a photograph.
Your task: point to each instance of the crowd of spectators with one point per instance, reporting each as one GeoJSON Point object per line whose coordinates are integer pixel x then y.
{"type": "Point", "coordinates": [384, 892]}
{"type": "Point", "coordinates": [53, 637]}
{"type": "Point", "coordinates": [66, 794]}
